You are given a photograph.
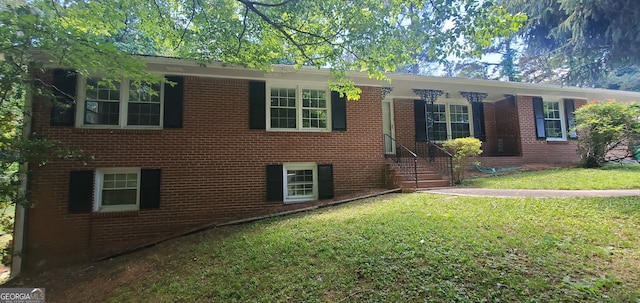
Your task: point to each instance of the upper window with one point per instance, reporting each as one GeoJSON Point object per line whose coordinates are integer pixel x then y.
{"type": "Point", "coordinates": [117, 189]}
{"type": "Point", "coordinates": [298, 108]}
{"type": "Point", "coordinates": [553, 122]}
{"type": "Point", "coordinates": [121, 104]}
{"type": "Point", "coordinates": [450, 121]}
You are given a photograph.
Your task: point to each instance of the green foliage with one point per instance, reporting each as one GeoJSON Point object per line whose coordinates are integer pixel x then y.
{"type": "Point", "coordinates": [370, 36]}
{"type": "Point", "coordinates": [622, 78]}
{"type": "Point", "coordinates": [463, 150]}
{"type": "Point", "coordinates": [605, 127]}
{"type": "Point", "coordinates": [613, 176]}
{"type": "Point", "coordinates": [396, 248]}
{"type": "Point", "coordinates": [584, 39]}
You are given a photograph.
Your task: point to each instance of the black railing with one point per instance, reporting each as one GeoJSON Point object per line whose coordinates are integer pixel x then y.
{"type": "Point", "coordinates": [404, 158]}
{"type": "Point", "coordinates": [440, 159]}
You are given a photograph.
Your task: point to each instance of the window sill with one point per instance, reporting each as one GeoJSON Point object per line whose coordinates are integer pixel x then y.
{"type": "Point", "coordinates": [85, 130]}
{"type": "Point", "coordinates": [302, 200]}
{"type": "Point", "coordinates": [291, 130]}
{"type": "Point", "coordinates": [113, 127]}
{"type": "Point", "coordinates": [116, 214]}
{"type": "Point", "coordinates": [557, 141]}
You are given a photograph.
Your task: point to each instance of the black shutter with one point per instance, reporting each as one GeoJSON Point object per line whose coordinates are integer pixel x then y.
{"type": "Point", "coordinates": [420, 120]}
{"type": "Point", "coordinates": [477, 109]}
{"type": "Point", "coordinates": [538, 113]}
{"type": "Point", "coordinates": [173, 102]}
{"type": "Point", "coordinates": [569, 108]}
{"type": "Point", "coordinates": [338, 112]}
{"type": "Point", "coordinates": [325, 181]}
{"type": "Point", "coordinates": [80, 191]}
{"type": "Point", "coordinates": [150, 188]}
{"type": "Point", "coordinates": [64, 91]}
{"type": "Point", "coordinates": [257, 105]}
{"type": "Point", "coordinates": [275, 189]}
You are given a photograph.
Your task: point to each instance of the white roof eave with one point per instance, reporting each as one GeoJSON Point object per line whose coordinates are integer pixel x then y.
{"type": "Point", "coordinates": [403, 84]}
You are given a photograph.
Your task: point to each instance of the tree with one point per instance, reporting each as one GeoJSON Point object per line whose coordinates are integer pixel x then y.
{"type": "Point", "coordinates": [483, 68]}
{"type": "Point", "coordinates": [371, 36]}
{"type": "Point", "coordinates": [623, 78]}
{"type": "Point", "coordinates": [605, 127]}
{"type": "Point", "coordinates": [583, 40]}
{"type": "Point", "coordinates": [440, 22]}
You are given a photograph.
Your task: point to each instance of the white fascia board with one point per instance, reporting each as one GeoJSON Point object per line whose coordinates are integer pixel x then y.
{"type": "Point", "coordinates": [403, 84]}
{"type": "Point", "coordinates": [175, 66]}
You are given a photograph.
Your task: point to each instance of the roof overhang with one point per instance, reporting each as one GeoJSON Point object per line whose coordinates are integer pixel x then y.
{"type": "Point", "coordinates": [402, 84]}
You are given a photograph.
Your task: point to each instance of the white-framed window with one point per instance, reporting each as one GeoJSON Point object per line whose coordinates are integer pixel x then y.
{"type": "Point", "coordinates": [440, 122]}
{"type": "Point", "coordinates": [300, 182]}
{"type": "Point", "coordinates": [460, 122]}
{"type": "Point", "coordinates": [298, 108]}
{"type": "Point", "coordinates": [451, 121]}
{"type": "Point", "coordinates": [117, 189]}
{"type": "Point", "coordinates": [124, 104]}
{"type": "Point", "coordinates": [554, 125]}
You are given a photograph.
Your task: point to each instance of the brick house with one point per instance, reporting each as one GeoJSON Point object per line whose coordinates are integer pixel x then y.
{"type": "Point", "coordinates": [229, 143]}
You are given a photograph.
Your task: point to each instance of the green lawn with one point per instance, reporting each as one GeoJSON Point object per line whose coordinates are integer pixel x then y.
{"type": "Point", "coordinates": [404, 248]}
{"type": "Point", "coordinates": [610, 177]}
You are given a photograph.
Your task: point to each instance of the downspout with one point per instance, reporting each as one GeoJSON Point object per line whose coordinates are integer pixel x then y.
{"type": "Point", "coordinates": [20, 215]}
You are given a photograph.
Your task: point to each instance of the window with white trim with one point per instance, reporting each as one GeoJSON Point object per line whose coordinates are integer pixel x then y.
{"type": "Point", "coordinates": [298, 108]}
{"type": "Point", "coordinates": [439, 122]}
{"type": "Point", "coordinates": [553, 120]}
{"type": "Point", "coordinates": [451, 121]}
{"type": "Point", "coordinates": [117, 189]}
{"type": "Point", "coordinates": [120, 104]}
{"type": "Point", "coordinates": [459, 117]}
{"type": "Point", "coordinates": [300, 182]}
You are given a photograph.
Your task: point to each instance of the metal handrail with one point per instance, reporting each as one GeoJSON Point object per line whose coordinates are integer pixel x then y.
{"type": "Point", "coordinates": [406, 168]}
{"type": "Point", "coordinates": [439, 158]}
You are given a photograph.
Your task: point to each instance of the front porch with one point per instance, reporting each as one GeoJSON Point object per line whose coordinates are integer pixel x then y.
{"type": "Point", "coordinates": [514, 129]}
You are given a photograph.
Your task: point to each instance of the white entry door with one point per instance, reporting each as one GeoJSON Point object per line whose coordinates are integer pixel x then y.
{"type": "Point", "coordinates": [388, 127]}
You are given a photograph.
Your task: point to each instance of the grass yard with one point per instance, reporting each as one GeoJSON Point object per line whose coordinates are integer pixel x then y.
{"type": "Point", "coordinates": [613, 176]}
{"type": "Point", "coordinates": [394, 248]}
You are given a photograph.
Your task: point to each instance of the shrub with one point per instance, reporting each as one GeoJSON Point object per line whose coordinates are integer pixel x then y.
{"type": "Point", "coordinates": [605, 127]}
{"type": "Point", "coordinates": [463, 150]}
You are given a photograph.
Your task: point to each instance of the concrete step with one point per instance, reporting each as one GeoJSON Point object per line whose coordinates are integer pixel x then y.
{"type": "Point", "coordinates": [424, 184]}
{"type": "Point", "coordinates": [421, 169]}
{"type": "Point", "coordinates": [421, 176]}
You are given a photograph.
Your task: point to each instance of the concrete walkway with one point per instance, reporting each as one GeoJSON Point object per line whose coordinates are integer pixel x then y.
{"type": "Point", "coordinates": [539, 193]}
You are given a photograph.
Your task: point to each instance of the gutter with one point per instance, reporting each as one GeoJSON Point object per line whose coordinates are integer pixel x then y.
{"type": "Point", "coordinates": [402, 83]}
{"type": "Point", "coordinates": [20, 214]}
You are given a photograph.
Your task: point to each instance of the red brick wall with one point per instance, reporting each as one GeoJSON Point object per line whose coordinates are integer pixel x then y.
{"type": "Point", "coordinates": [404, 122]}
{"type": "Point", "coordinates": [508, 126]}
{"type": "Point", "coordinates": [213, 170]}
{"type": "Point", "coordinates": [490, 128]}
